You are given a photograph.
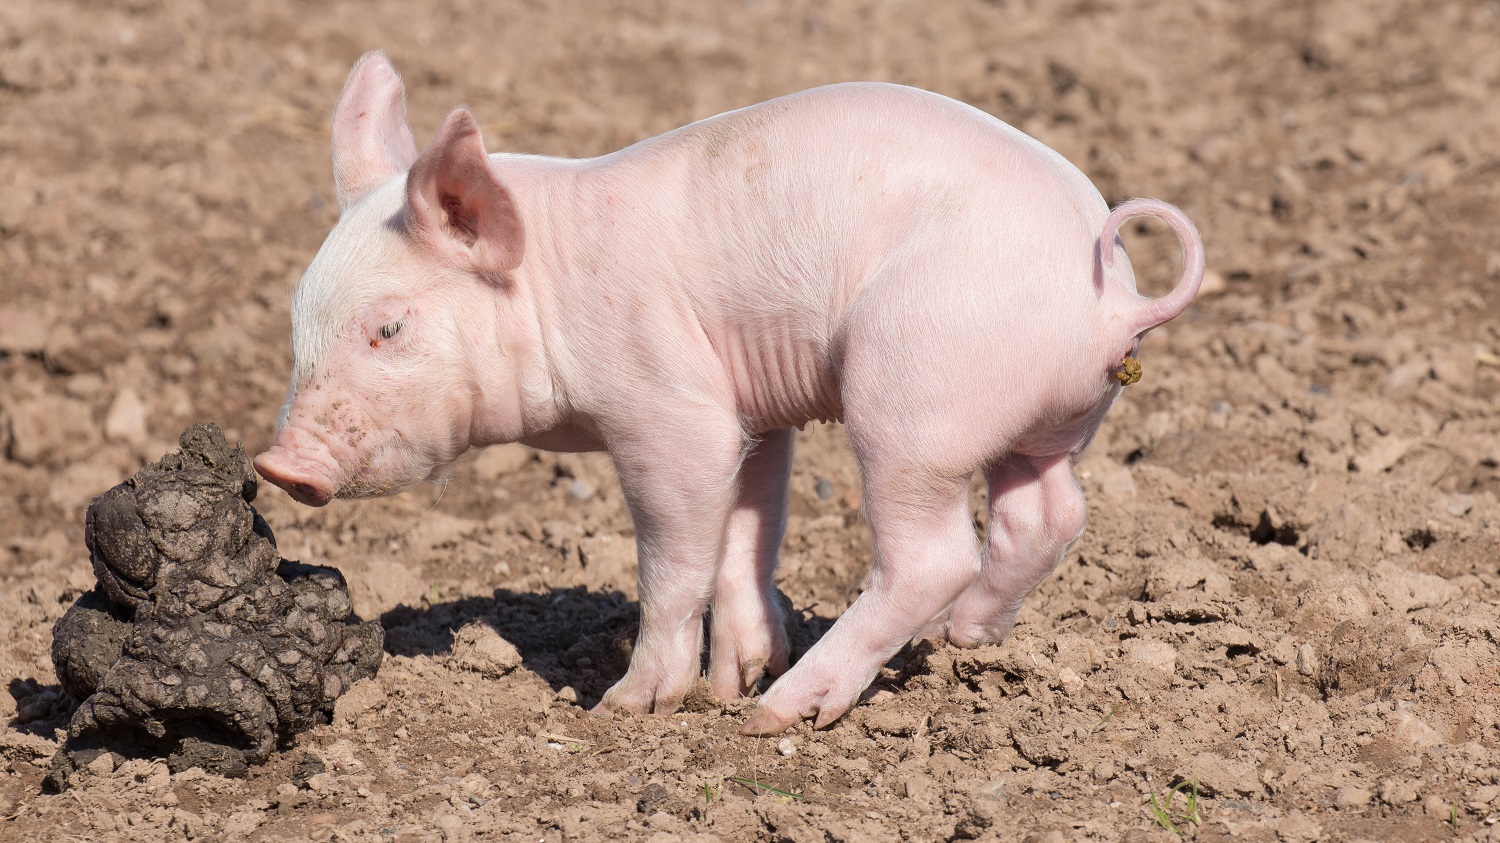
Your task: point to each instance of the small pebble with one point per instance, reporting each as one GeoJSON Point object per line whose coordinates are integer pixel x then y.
{"type": "Point", "coordinates": [1070, 679]}
{"type": "Point", "coordinates": [1306, 661]}
{"type": "Point", "coordinates": [580, 490]}
{"type": "Point", "coordinates": [1352, 797]}
{"type": "Point", "coordinates": [1397, 792]}
{"type": "Point", "coordinates": [102, 765]}
{"type": "Point", "coordinates": [32, 709]}
{"type": "Point", "coordinates": [1457, 505]}
{"type": "Point", "coordinates": [1437, 806]}
{"type": "Point", "coordinates": [824, 488]}
{"type": "Point", "coordinates": [126, 419]}
{"type": "Point", "coordinates": [785, 747]}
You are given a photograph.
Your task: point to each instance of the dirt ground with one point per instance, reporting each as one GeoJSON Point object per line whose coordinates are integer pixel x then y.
{"type": "Point", "coordinates": [1289, 590]}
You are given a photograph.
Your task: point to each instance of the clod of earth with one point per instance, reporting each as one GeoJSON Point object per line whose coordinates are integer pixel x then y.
{"type": "Point", "coordinates": [200, 644]}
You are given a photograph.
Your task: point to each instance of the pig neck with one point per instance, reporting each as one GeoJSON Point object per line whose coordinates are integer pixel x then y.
{"type": "Point", "coordinates": [526, 403]}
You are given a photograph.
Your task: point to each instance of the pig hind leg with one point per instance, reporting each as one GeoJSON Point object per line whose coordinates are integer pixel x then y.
{"type": "Point", "coordinates": [679, 480]}
{"type": "Point", "coordinates": [1036, 513]}
{"type": "Point", "coordinates": [909, 411]}
{"type": "Point", "coordinates": [747, 636]}
{"type": "Point", "coordinates": [925, 555]}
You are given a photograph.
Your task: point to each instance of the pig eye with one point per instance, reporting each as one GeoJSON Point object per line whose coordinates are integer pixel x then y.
{"type": "Point", "coordinates": [394, 328]}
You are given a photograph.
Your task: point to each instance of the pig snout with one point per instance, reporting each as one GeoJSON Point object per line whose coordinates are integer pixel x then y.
{"type": "Point", "coordinates": [302, 470]}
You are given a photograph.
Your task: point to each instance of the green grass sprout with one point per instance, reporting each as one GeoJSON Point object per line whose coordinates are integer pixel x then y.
{"type": "Point", "coordinates": [1169, 818]}
{"type": "Point", "coordinates": [776, 790]}
{"type": "Point", "coordinates": [1100, 725]}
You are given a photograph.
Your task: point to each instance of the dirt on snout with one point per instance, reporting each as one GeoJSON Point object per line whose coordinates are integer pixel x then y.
{"type": "Point", "coordinates": [200, 645]}
{"type": "Point", "coordinates": [1287, 592]}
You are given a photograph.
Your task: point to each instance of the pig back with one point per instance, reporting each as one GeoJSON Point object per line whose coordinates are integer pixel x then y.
{"type": "Point", "coordinates": [762, 227]}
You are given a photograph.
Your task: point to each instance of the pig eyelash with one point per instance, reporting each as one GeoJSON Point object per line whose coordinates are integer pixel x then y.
{"type": "Point", "coordinates": [387, 331]}
{"type": "Point", "coordinates": [394, 328]}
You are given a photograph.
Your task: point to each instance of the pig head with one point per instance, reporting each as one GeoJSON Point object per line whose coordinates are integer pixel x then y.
{"type": "Point", "coordinates": [405, 304]}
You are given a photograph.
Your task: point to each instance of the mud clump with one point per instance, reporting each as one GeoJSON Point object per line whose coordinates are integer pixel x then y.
{"type": "Point", "coordinates": [200, 644]}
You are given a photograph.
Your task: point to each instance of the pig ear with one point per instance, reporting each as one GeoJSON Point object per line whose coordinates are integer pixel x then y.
{"type": "Point", "coordinates": [457, 204]}
{"type": "Point", "coordinates": [371, 141]}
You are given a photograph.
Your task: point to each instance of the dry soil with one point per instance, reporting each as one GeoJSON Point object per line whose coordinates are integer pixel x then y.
{"type": "Point", "coordinates": [1288, 594]}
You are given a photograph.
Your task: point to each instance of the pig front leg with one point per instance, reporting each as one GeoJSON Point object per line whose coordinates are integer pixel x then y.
{"type": "Point", "coordinates": [748, 638]}
{"type": "Point", "coordinates": [1037, 512]}
{"type": "Point", "coordinates": [678, 474]}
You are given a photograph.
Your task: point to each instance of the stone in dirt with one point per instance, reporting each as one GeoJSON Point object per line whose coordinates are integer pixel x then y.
{"type": "Point", "coordinates": [200, 644]}
{"type": "Point", "coordinates": [479, 648]}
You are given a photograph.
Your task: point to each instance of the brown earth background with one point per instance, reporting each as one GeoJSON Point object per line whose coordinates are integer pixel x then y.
{"type": "Point", "coordinates": [1289, 591]}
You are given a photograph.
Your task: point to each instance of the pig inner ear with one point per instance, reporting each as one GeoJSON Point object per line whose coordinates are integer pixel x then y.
{"type": "Point", "coordinates": [371, 141]}
{"type": "Point", "coordinates": [457, 204]}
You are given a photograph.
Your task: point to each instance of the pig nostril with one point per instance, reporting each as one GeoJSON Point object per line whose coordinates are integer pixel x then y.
{"type": "Point", "coordinates": [305, 489]}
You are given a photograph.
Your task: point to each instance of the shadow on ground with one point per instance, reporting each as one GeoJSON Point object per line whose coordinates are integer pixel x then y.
{"type": "Point", "coordinates": [570, 637]}
{"type": "Point", "coordinates": [41, 709]}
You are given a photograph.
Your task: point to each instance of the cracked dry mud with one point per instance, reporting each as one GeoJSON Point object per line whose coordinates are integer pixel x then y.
{"type": "Point", "coordinates": [200, 644]}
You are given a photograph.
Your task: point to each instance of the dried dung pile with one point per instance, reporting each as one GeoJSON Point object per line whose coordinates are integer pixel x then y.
{"type": "Point", "coordinates": [200, 644]}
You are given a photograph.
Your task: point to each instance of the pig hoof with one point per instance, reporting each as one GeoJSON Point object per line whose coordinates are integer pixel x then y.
{"type": "Point", "coordinates": [750, 675]}
{"type": "Point", "coordinates": [965, 633]}
{"type": "Point", "coordinates": [728, 685]}
{"type": "Point", "coordinates": [620, 698]}
{"type": "Point", "coordinates": [734, 675]}
{"type": "Point", "coordinates": [967, 637]}
{"type": "Point", "coordinates": [763, 722]}
{"type": "Point", "coordinates": [749, 642]}
{"type": "Point", "coordinates": [970, 640]}
{"type": "Point", "coordinates": [823, 708]}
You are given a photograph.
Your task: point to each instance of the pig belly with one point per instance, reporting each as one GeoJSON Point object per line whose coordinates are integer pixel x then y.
{"type": "Point", "coordinates": [780, 376]}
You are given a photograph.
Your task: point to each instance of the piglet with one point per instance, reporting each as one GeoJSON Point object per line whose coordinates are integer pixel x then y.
{"type": "Point", "coordinates": [948, 287]}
